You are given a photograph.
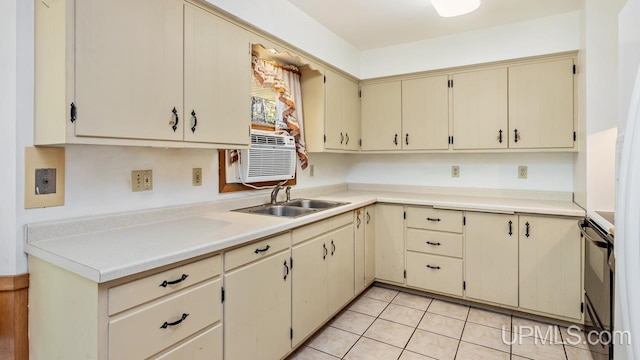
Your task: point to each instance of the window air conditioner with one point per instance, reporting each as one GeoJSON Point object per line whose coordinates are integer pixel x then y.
{"type": "Point", "coordinates": [270, 157]}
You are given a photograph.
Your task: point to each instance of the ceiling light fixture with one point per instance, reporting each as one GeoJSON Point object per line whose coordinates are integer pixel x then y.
{"type": "Point", "coordinates": [450, 8]}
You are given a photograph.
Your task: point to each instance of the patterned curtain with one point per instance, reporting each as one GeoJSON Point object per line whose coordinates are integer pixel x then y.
{"type": "Point", "coordinates": [285, 81]}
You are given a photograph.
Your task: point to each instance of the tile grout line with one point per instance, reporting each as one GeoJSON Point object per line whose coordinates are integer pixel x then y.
{"type": "Point", "coordinates": [416, 328]}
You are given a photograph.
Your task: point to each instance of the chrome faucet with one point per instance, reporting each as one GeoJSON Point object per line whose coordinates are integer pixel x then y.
{"type": "Point", "coordinates": [288, 191]}
{"type": "Point", "coordinates": [274, 194]}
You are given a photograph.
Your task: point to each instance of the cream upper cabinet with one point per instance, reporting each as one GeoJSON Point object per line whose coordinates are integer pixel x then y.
{"type": "Point", "coordinates": [480, 109]}
{"type": "Point", "coordinates": [129, 79]}
{"type": "Point", "coordinates": [217, 78]}
{"type": "Point", "coordinates": [541, 105]}
{"type": "Point", "coordinates": [381, 116]}
{"type": "Point", "coordinates": [369, 244]}
{"type": "Point", "coordinates": [389, 249]}
{"type": "Point", "coordinates": [342, 112]}
{"type": "Point", "coordinates": [257, 309]}
{"type": "Point", "coordinates": [425, 113]}
{"type": "Point", "coordinates": [491, 258]}
{"type": "Point", "coordinates": [550, 268]}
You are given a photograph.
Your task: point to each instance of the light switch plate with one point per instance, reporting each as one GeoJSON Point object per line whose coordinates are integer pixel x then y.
{"type": "Point", "coordinates": [141, 180]}
{"type": "Point", "coordinates": [455, 171]}
{"type": "Point", "coordinates": [197, 177]}
{"type": "Point", "coordinates": [44, 177]}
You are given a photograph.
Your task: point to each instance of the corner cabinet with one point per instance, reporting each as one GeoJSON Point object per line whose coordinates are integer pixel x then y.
{"type": "Point", "coordinates": [99, 82]}
{"type": "Point", "coordinates": [389, 249]}
{"type": "Point", "coordinates": [364, 228]}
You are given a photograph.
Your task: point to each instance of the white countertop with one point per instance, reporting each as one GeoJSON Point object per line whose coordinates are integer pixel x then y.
{"type": "Point", "coordinates": [116, 251]}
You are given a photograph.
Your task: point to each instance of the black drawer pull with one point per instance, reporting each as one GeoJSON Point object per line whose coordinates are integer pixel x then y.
{"type": "Point", "coordinates": [358, 221]}
{"type": "Point", "coordinates": [406, 138]}
{"type": "Point", "coordinates": [368, 217]}
{"type": "Point", "coordinates": [262, 250]}
{"type": "Point", "coordinates": [395, 140]}
{"type": "Point", "coordinates": [510, 230]}
{"type": "Point", "coordinates": [167, 324]}
{"type": "Point", "coordinates": [347, 136]}
{"type": "Point", "coordinates": [500, 136]}
{"type": "Point", "coordinates": [324, 255]}
{"type": "Point", "coordinates": [433, 267]}
{"type": "Point", "coordinates": [195, 121]}
{"type": "Point", "coordinates": [527, 229]}
{"type": "Point", "coordinates": [333, 248]}
{"type": "Point", "coordinates": [175, 125]}
{"type": "Point", "coordinates": [287, 268]}
{"type": "Point", "coordinates": [341, 138]}
{"type": "Point", "coordinates": [74, 113]}
{"type": "Point", "coordinates": [167, 283]}
{"type": "Point", "coordinates": [434, 244]}
{"type": "Point", "coordinates": [433, 219]}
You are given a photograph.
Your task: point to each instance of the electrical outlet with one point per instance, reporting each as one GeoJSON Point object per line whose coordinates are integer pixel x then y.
{"type": "Point", "coordinates": [522, 172]}
{"type": "Point", "coordinates": [141, 180]}
{"type": "Point", "coordinates": [311, 170]}
{"type": "Point", "coordinates": [197, 176]}
{"type": "Point", "coordinates": [455, 171]}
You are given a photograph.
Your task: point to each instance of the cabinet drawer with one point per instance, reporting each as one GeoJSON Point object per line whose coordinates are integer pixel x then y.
{"type": "Point", "coordinates": [436, 273]}
{"type": "Point", "coordinates": [139, 291]}
{"type": "Point", "coordinates": [434, 219]}
{"type": "Point", "coordinates": [256, 251]}
{"type": "Point", "coordinates": [206, 346]}
{"type": "Point", "coordinates": [144, 331]}
{"type": "Point", "coordinates": [310, 231]}
{"type": "Point", "coordinates": [433, 242]}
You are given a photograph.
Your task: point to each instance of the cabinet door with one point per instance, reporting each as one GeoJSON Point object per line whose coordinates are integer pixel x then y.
{"type": "Point", "coordinates": [381, 116]}
{"type": "Point", "coordinates": [258, 309]}
{"type": "Point", "coordinates": [341, 268]}
{"type": "Point", "coordinates": [425, 114]}
{"type": "Point", "coordinates": [310, 287]}
{"type": "Point", "coordinates": [491, 258]}
{"type": "Point", "coordinates": [351, 115]}
{"type": "Point", "coordinates": [389, 253]}
{"type": "Point", "coordinates": [129, 72]}
{"type": "Point", "coordinates": [550, 265]}
{"type": "Point", "coordinates": [541, 105]}
{"type": "Point", "coordinates": [360, 250]}
{"type": "Point", "coordinates": [369, 244]}
{"type": "Point", "coordinates": [480, 109]}
{"type": "Point", "coordinates": [335, 102]}
{"type": "Point", "coordinates": [217, 82]}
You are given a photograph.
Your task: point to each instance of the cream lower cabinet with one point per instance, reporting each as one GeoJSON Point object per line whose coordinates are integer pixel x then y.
{"type": "Point", "coordinates": [550, 265]}
{"type": "Point", "coordinates": [364, 247]}
{"type": "Point", "coordinates": [258, 300]}
{"type": "Point", "coordinates": [491, 258]}
{"type": "Point", "coordinates": [323, 278]}
{"type": "Point", "coordinates": [389, 249]}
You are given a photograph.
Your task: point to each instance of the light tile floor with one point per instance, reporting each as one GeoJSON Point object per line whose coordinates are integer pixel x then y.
{"type": "Point", "coordinates": [386, 324]}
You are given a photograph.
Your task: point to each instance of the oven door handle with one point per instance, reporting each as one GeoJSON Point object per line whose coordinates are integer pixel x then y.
{"type": "Point", "coordinates": [599, 243]}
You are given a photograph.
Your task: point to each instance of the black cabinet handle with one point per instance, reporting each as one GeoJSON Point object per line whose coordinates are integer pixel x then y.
{"type": "Point", "coordinates": [510, 229]}
{"type": "Point", "coordinates": [500, 136]}
{"type": "Point", "coordinates": [167, 324]}
{"type": "Point", "coordinates": [515, 135]}
{"type": "Point", "coordinates": [341, 138]}
{"type": "Point", "coordinates": [395, 139]}
{"type": "Point", "coordinates": [406, 138]}
{"type": "Point", "coordinates": [433, 267]}
{"type": "Point", "coordinates": [333, 248]}
{"type": "Point", "coordinates": [433, 219]}
{"type": "Point", "coordinates": [324, 255]}
{"type": "Point", "coordinates": [175, 113]}
{"type": "Point", "coordinates": [287, 268]}
{"type": "Point", "coordinates": [181, 279]}
{"type": "Point", "coordinates": [73, 113]}
{"type": "Point", "coordinates": [358, 221]}
{"type": "Point", "coordinates": [347, 136]}
{"type": "Point", "coordinates": [434, 244]}
{"type": "Point", "coordinates": [262, 250]}
{"type": "Point", "coordinates": [526, 232]}
{"type": "Point", "coordinates": [368, 217]}
{"type": "Point", "coordinates": [195, 121]}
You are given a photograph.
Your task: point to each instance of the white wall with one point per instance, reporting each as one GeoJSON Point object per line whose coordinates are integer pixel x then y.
{"type": "Point", "coordinates": [8, 45]}
{"type": "Point", "coordinates": [547, 171]}
{"type": "Point", "coordinates": [528, 38]}
{"type": "Point", "coordinates": [289, 23]}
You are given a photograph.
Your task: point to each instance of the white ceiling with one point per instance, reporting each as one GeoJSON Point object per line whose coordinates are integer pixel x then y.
{"type": "Point", "coordinates": [369, 24]}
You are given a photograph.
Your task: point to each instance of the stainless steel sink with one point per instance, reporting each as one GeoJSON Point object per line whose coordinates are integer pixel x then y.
{"type": "Point", "coordinates": [293, 208]}
{"type": "Point", "coordinates": [314, 204]}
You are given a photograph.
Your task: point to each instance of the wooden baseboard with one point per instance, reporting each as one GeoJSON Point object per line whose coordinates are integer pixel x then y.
{"type": "Point", "coordinates": [14, 300]}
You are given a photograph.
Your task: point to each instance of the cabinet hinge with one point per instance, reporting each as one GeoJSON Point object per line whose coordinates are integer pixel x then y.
{"type": "Point", "coordinates": [451, 82]}
{"type": "Point", "coordinates": [574, 136]}
{"type": "Point", "coordinates": [291, 262]}
{"type": "Point", "coordinates": [404, 215]}
{"type": "Point", "coordinates": [360, 142]}
{"type": "Point", "coordinates": [574, 68]}
{"type": "Point", "coordinates": [581, 307]}
{"type": "Point", "coordinates": [464, 285]}
{"type": "Point", "coordinates": [221, 294]}
{"type": "Point", "coordinates": [405, 274]}
{"type": "Point", "coordinates": [325, 138]}
{"type": "Point", "coordinates": [291, 333]}
{"type": "Point", "coordinates": [359, 93]}
{"type": "Point", "coordinates": [464, 220]}
{"type": "Point", "coordinates": [73, 113]}
{"type": "Point", "coordinates": [451, 140]}
{"type": "Point", "coordinates": [325, 79]}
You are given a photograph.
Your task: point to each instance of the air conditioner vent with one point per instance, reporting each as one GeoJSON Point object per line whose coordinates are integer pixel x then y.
{"type": "Point", "coordinates": [271, 157]}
